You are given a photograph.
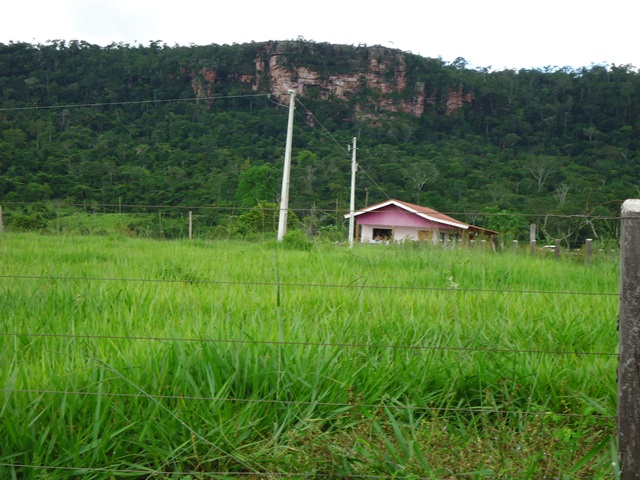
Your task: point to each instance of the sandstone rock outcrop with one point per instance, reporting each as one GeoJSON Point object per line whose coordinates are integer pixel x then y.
{"type": "Point", "coordinates": [378, 76]}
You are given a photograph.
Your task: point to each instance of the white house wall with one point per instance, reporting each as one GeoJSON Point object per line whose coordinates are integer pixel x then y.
{"type": "Point", "coordinates": [366, 234]}
{"type": "Point", "coordinates": [401, 234]}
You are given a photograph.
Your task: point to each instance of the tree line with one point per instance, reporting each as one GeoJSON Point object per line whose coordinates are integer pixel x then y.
{"type": "Point", "coordinates": [120, 124]}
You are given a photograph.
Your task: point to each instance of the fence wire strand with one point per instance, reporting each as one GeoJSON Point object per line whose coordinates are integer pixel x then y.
{"type": "Point", "coordinates": [307, 344]}
{"type": "Point", "coordinates": [395, 406]}
{"type": "Point", "coordinates": [351, 285]}
{"type": "Point", "coordinates": [253, 471]}
{"type": "Point", "coordinates": [201, 474]}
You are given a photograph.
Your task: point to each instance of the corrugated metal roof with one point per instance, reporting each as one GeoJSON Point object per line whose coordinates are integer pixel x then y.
{"type": "Point", "coordinates": [425, 212]}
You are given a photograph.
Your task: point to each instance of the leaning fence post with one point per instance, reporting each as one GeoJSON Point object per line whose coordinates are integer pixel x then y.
{"type": "Point", "coordinates": [629, 342]}
{"type": "Point", "coordinates": [556, 248]}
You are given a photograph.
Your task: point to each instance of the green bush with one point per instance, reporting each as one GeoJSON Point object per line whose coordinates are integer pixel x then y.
{"type": "Point", "coordinates": [33, 221]}
{"type": "Point", "coordinates": [296, 240]}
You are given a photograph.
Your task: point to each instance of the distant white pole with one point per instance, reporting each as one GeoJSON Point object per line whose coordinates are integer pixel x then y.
{"type": "Point", "coordinates": [284, 196]}
{"type": "Point", "coordinates": [352, 206]}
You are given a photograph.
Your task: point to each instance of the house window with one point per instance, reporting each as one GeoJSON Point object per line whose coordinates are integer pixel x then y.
{"type": "Point", "coordinates": [381, 234]}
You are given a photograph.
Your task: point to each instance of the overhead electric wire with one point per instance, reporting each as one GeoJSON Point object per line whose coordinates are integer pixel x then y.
{"type": "Point", "coordinates": [159, 207]}
{"type": "Point", "coordinates": [323, 127]}
{"type": "Point", "coordinates": [322, 210]}
{"type": "Point", "coordinates": [130, 102]}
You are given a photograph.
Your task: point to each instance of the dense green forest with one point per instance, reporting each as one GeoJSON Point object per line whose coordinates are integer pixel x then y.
{"type": "Point", "coordinates": [203, 126]}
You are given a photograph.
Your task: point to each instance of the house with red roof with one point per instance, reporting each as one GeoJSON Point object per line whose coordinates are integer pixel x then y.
{"type": "Point", "coordinates": [398, 221]}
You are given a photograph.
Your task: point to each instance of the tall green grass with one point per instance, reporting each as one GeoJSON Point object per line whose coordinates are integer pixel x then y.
{"type": "Point", "coordinates": [129, 357]}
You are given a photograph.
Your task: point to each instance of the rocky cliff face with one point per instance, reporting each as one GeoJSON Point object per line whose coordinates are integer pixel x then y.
{"type": "Point", "coordinates": [376, 82]}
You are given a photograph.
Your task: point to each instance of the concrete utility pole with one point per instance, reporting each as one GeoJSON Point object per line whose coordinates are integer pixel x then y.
{"type": "Point", "coordinates": [629, 343]}
{"type": "Point", "coordinates": [352, 205]}
{"type": "Point", "coordinates": [284, 196]}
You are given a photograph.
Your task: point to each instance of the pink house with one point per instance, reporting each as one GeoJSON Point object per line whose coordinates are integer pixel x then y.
{"type": "Point", "coordinates": [399, 221]}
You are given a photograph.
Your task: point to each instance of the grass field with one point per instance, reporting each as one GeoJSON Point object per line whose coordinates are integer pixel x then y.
{"type": "Point", "coordinates": [136, 358]}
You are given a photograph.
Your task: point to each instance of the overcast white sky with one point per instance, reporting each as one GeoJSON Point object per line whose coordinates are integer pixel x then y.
{"type": "Point", "coordinates": [490, 33]}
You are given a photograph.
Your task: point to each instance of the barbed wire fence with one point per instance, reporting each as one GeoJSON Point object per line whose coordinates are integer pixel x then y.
{"type": "Point", "coordinates": [210, 222]}
{"type": "Point", "coordinates": [257, 471]}
{"type": "Point", "coordinates": [220, 222]}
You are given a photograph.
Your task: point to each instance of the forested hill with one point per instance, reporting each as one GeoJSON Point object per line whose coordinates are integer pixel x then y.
{"type": "Point", "coordinates": [206, 125]}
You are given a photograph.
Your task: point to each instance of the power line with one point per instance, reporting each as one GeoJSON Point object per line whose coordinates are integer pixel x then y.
{"type": "Point", "coordinates": [232, 209]}
{"type": "Point", "coordinates": [133, 102]}
{"type": "Point", "coordinates": [340, 145]}
{"type": "Point", "coordinates": [305, 344]}
{"type": "Point", "coordinates": [325, 210]}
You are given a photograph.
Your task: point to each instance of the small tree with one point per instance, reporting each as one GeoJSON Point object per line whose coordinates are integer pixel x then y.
{"type": "Point", "coordinates": [256, 184]}
{"type": "Point", "coordinates": [505, 222]}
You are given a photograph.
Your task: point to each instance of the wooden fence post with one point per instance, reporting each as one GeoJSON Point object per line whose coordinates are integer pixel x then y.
{"type": "Point", "coordinates": [515, 246]}
{"type": "Point", "coordinates": [629, 342]}
{"type": "Point", "coordinates": [190, 224]}
{"type": "Point", "coordinates": [556, 248]}
{"type": "Point", "coordinates": [532, 237]}
{"type": "Point", "coordinates": [588, 249]}
{"type": "Point", "coordinates": [1, 224]}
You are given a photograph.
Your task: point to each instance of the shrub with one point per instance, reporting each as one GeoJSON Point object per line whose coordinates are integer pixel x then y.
{"type": "Point", "coordinates": [296, 240]}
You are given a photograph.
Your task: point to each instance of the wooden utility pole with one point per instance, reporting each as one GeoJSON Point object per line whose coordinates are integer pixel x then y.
{"type": "Point", "coordinates": [284, 196]}
{"type": "Point", "coordinates": [352, 205]}
{"type": "Point", "coordinates": [629, 343]}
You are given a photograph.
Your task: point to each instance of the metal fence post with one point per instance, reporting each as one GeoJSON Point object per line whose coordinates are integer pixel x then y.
{"type": "Point", "coordinates": [629, 342]}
